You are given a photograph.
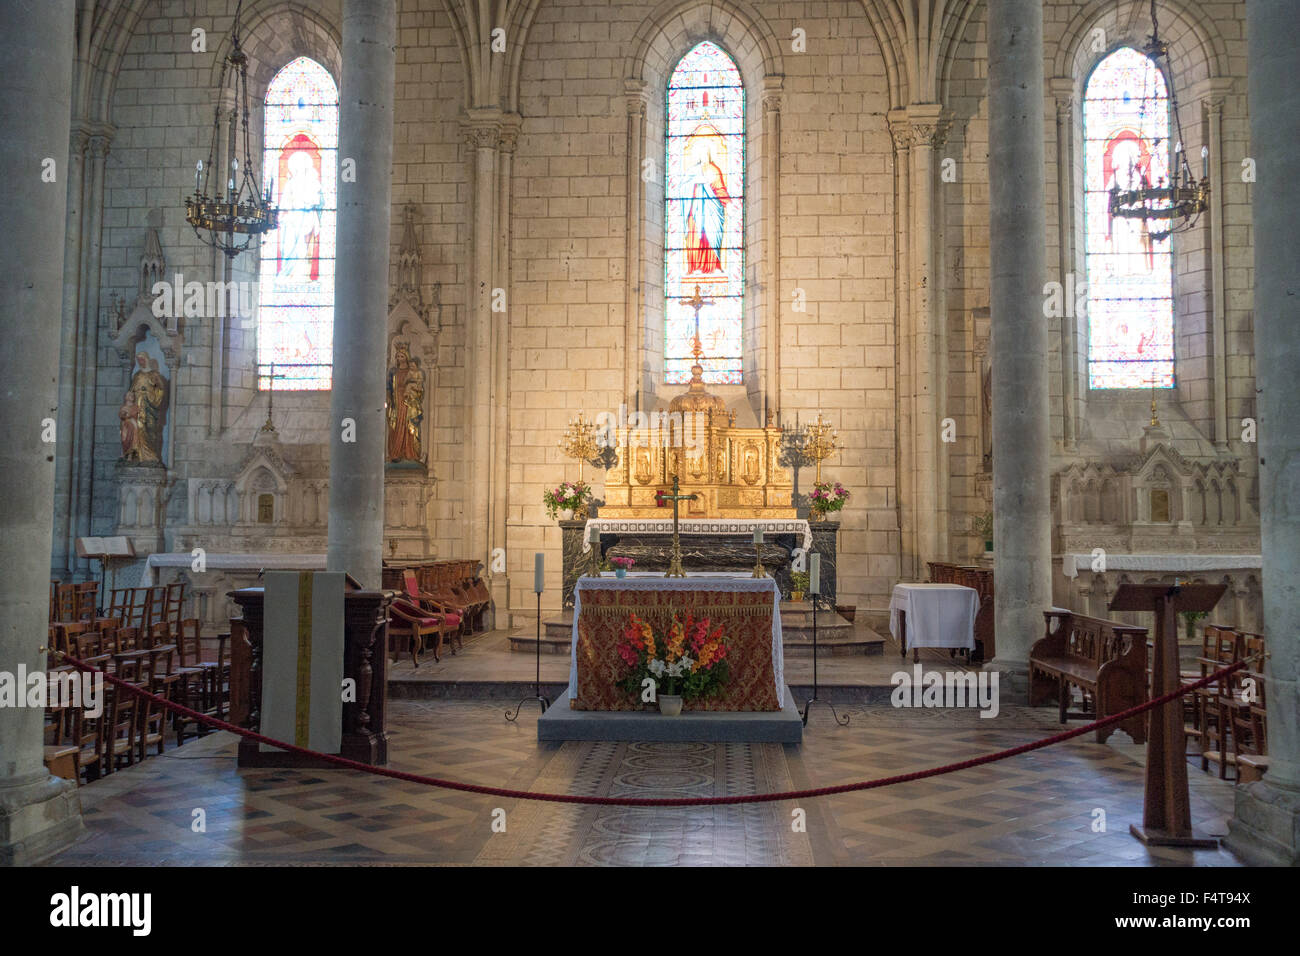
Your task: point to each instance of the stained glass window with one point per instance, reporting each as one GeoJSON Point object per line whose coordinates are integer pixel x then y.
{"type": "Point", "coordinates": [704, 215]}
{"type": "Point", "coordinates": [295, 329]}
{"type": "Point", "coordinates": [1130, 273]}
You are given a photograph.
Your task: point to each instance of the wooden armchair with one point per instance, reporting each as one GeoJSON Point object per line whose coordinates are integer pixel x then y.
{"type": "Point", "coordinates": [452, 615]}
{"type": "Point", "coordinates": [414, 623]}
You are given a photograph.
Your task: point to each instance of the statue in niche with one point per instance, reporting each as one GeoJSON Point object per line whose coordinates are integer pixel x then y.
{"type": "Point", "coordinates": [143, 412]}
{"type": "Point", "coordinates": [405, 406]}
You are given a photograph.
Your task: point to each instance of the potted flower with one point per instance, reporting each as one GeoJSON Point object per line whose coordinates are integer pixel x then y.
{"type": "Point", "coordinates": [825, 498]}
{"type": "Point", "coordinates": [573, 497]}
{"type": "Point", "coordinates": [622, 566]}
{"type": "Point", "coordinates": [688, 661]}
{"type": "Point", "coordinates": [798, 585]}
{"type": "Point", "coordinates": [983, 526]}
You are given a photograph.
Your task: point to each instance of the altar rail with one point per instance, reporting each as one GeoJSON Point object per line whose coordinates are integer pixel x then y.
{"type": "Point", "coordinates": [365, 637]}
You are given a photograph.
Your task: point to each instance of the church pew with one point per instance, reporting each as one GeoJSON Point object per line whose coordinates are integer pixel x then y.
{"type": "Point", "coordinates": [1105, 660]}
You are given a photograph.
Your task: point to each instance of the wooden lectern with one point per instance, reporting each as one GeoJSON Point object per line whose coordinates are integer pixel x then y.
{"type": "Point", "coordinates": [1166, 812]}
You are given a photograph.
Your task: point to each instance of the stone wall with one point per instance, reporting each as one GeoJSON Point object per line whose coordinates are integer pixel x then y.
{"type": "Point", "coordinates": [821, 229]}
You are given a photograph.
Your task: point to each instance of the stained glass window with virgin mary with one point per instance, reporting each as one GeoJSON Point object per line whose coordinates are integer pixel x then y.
{"type": "Point", "coordinates": [295, 331]}
{"type": "Point", "coordinates": [704, 215]}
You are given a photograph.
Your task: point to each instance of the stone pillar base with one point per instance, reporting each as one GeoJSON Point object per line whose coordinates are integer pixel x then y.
{"type": "Point", "coordinates": [1266, 826]}
{"type": "Point", "coordinates": [37, 819]}
{"type": "Point", "coordinates": [1013, 680]}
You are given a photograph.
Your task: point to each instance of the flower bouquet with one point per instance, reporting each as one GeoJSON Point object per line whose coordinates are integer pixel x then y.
{"type": "Point", "coordinates": [567, 496]}
{"type": "Point", "coordinates": [687, 662]}
{"type": "Point", "coordinates": [622, 566]}
{"type": "Point", "coordinates": [826, 497]}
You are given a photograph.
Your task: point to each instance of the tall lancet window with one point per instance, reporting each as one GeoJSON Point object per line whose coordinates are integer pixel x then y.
{"type": "Point", "coordinates": [704, 215]}
{"type": "Point", "coordinates": [295, 330]}
{"type": "Point", "coordinates": [1130, 273]}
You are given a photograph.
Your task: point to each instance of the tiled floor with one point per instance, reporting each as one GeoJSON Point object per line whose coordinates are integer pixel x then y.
{"type": "Point", "coordinates": [1039, 808]}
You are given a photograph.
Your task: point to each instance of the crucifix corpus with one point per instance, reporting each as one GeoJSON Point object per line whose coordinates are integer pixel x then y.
{"type": "Point", "coordinates": [675, 558]}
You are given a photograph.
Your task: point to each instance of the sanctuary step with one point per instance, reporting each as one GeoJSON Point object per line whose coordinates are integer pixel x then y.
{"type": "Point", "coordinates": [835, 635]}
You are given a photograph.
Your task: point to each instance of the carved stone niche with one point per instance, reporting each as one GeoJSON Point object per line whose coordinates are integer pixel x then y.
{"type": "Point", "coordinates": [262, 486]}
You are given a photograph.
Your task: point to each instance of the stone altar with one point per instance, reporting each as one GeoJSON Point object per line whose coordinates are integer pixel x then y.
{"type": "Point", "coordinates": [701, 552]}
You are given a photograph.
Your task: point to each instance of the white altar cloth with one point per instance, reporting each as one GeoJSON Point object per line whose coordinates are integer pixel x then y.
{"type": "Point", "coordinates": [231, 562]}
{"type": "Point", "coordinates": [745, 526]}
{"type": "Point", "coordinates": [938, 615]}
{"type": "Point", "coordinates": [655, 581]}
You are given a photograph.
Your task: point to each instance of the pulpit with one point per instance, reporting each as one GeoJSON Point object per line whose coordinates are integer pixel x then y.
{"type": "Point", "coordinates": [365, 662]}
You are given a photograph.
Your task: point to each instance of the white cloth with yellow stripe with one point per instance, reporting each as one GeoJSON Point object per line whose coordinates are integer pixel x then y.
{"type": "Point", "coordinates": [302, 659]}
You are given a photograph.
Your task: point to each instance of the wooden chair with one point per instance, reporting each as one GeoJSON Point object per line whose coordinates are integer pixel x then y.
{"type": "Point", "coordinates": [86, 602]}
{"type": "Point", "coordinates": [92, 758]}
{"type": "Point", "coordinates": [435, 585]}
{"type": "Point", "coordinates": [173, 604]}
{"type": "Point", "coordinates": [63, 732]}
{"type": "Point", "coordinates": [65, 600]}
{"type": "Point", "coordinates": [1220, 646]}
{"type": "Point", "coordinates": [119, 604]}
{"type": "Point", "coordinates": [413, 623]}
{"type": "Point", "coordinates": [200, 681]}
{"type": "Point", "coordinates": [1250, 730]}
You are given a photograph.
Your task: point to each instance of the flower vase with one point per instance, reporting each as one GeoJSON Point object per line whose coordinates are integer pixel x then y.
{"type": "Point", "coordinates": [620, 572]}
{"type": "Point", "coordinates": [670, 705]}
{"type": "Point", "coordinates": [566, 514]}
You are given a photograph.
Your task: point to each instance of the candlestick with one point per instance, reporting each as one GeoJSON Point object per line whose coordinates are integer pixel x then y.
{"type": "Point", "coordinates": [1205, 162]}
{"type": "Point", "coordinates": [593, 538]}
{"type": "Point", "coordinates": [539, 572]}
{"type": "Point", "coordinates": [815, 575]}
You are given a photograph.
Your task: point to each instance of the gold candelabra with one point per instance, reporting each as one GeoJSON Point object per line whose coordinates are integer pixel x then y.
{"type": "Point", "coordinates": [820, 442]}
{"type": "Point", "coordinates": [579, 441]}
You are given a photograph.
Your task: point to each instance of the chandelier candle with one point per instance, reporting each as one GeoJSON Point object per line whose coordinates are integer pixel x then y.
{"type": "Point", "coordinates": [815, 576]}
{"type": "Point", "coordinates": [539, 572]}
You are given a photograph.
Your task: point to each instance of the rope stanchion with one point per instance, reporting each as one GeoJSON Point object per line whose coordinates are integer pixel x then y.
{"type": "Point", "coordinates": [659, 801]}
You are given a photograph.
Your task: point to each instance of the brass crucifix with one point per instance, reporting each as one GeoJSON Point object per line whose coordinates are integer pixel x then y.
{"type": "Point", "coordinates": [675, 559]}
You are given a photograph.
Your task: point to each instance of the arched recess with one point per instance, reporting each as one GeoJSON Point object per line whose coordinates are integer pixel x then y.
{"type": "Point", "coordinates": [672, 29]}
{"type": "Point", "coordinates": [1200, 59]}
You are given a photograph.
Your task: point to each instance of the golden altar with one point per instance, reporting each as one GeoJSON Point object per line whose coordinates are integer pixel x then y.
{"type": "Point", "coordinates": [733, 472]}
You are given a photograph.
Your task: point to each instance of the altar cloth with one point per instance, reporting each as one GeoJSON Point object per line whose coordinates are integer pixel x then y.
{"type": "Point", "coordinates": [938, 615]}
{"type": "Point", "coordinates": [748, 608]}
{"type": "Point", "coordinates": [712, 526]}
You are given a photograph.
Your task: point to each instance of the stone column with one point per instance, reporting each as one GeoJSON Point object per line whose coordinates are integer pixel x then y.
{"type": "Point", "coordinates": [1018, 266]}
{"type": "Point", "coordinates": [1266, 826]}
{"type": "Point", "coordinates": [929, 126]}
{"type": "Point", "coordinates": [1062, 88]}
{"type": "Point", "coordinates": [62, 561]}
{"type": "Point", "coordinates": [769, 402]}
{"type": "Point", "coordinates": [356, 523]}
{"type": "Point", "coordinates": [482, 131]}
{"type": "Point", "coordinates": [83, 451]}
{"type": "Point", "coordinates": [39, 813]}
{"type": "Point", "coordinates": [901, 132]}
{"type": "Point", "coordinates": [636, 102]}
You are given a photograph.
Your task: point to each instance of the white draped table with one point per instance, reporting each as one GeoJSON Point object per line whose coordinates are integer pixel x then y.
{"type": "Point", "coordinates": [736, 582]}
{"type": "Point", "coordinates": [933, 615]}
{"type": "Point", "coordinates": [231, 562]}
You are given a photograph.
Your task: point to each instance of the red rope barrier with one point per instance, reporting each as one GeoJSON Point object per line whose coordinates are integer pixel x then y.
{"type": "Point", "coordinates": [653, 801]}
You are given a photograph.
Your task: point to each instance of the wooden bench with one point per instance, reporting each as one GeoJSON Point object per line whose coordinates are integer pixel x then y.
{"type": "Point", "coordinates": [1106, 660]}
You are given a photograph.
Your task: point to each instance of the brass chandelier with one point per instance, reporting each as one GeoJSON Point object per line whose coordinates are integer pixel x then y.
{"type": "Point", "coordinates": [1176, 205]}
{"type": "Point", "coordinates": [228, 219]}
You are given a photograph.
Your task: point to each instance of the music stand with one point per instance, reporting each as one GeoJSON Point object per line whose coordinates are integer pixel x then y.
{"type": "Point", "coordinates": [1166, 809]}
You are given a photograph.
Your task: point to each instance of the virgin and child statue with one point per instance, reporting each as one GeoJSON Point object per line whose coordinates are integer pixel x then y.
{"type": "Point", "coordinates": [405, 406]}
{"type": "Point", "coordinates": [143, 412]}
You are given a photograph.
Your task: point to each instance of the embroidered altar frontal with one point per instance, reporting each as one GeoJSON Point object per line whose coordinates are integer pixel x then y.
{"type": "Point", "coordinates": [746, 609]}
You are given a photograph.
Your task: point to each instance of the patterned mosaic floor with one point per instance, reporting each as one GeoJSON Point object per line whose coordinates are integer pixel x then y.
{"type": "Point", "coordinates": [1040, 808]}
